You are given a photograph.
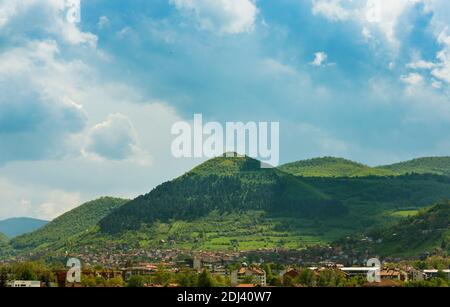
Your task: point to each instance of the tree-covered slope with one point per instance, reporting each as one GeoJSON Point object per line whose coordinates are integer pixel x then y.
{"type": "Point", "coordinates": [332, 167]}
{"type": "Point", "coordinates": [431, 165]}
{"type": "Point", "coordinates": [425, 232]}
{"type": "Point", "coordinates": [226, 185]}
{"type": "Point", "coordinates": [73, 223]}
{"type": "Point", "coordinates": [3, 238]}
{"type": "Point", "coordinates": [17, 226]}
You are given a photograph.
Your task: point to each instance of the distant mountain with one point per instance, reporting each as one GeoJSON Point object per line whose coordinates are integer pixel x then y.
{"type": "Point", "coordinates": [431, 165]}
{"type": "Point", "coordinates": [236, 184]}
{"type": "Point", "coordinates": [71, 224]}
{"type": "Point", "coordinates": [427, 231]}
{"type": "Point", "coordinates": [17, 226]}
{"type": "Point", "coordinates": [332, 167]}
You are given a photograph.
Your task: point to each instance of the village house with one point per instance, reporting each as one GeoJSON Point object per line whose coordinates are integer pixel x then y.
{"type": "Point", "coordinates": [249, 275]}
{"type": "Point", "coordinates": [394, 274]}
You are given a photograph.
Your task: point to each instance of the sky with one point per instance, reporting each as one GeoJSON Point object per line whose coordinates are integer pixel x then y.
{"type": "Point", "coordinates": [86, 108]}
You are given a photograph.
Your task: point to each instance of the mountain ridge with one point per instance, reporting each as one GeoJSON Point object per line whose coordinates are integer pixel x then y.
{"type": "Point", "coordinates": [332, 167]}
{"type": "Point", "coordinates": [424, 165]}
{"type": "Point", "coordinates": [13, 227]}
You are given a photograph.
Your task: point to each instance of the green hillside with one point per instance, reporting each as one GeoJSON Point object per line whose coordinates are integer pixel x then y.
{"type": "Point", "coordinates": [227, 185]}
{"type": "Point", "coordinates": [425, 232]}
{"type": "Point", "coordinates": [71, 224]}
{"type": "Point", "coordinates": [228, 203]}
{"type": "Point", "coordinates": [332, 167]}
{"type": "Point", "coordinates": [431, 165]}
{"type": "Point", "coordinates": [17, 226]}
{"type": "Point", "coordinates": [3, 238]}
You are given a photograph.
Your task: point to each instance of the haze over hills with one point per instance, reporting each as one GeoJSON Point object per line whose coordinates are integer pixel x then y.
{"type": "Point", "coordinates": [226, 203]}
{"type": "Point", "coordinates": [430, 165]}
{"type": "Point", "coordinates": [17, 226]}
{"type": "Point", "coordinates": [332, 167]}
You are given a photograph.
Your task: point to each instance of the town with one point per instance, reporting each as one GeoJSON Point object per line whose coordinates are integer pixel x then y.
{"type": "Point", "coordinates": [313, 267]}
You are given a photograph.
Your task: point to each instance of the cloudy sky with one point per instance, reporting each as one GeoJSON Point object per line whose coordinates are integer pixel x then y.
{"type": "Point", "coordinates": [86, 109]}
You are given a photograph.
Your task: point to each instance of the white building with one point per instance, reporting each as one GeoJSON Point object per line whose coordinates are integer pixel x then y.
{"type": "Point", "coordinates": [435, 273]}
{"type": "Point", "coordinates": [24, 284]}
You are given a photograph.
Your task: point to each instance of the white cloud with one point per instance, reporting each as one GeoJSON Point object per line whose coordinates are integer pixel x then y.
{"type": "Point", "coordinates": [385, 14]}
{"type": "Point", "coordinates": [442, 71]}
{"type": "Point", "coordinates": [319, 59]}
{"type": "Point", "coordinates": [225, 16]}
{"type": "Point", "coordinates": [436, 84]}
{"type": "Point", "coordinates": [21, 199]}
{"type": "Point", "coordinates": [38, 105]}
{"type": "Point", "coordinates": [412, 79]}
{"type": "Point", "coordinates": [116, 139]}
{"type": "Point", "coordinates": [48, 16]}
{"type": "Point", "coordinates": [366, 33]}
{"type": "Point", "coordinates": [57, 203]}
{"type": "Point", "coordinates": [373, 15]}
{"type": "Point", "coordinates": [421, 65]}
{"type": "Point", "coordinates": [103, 21]}
{"type": "Point", "coordinates": [331, 9]}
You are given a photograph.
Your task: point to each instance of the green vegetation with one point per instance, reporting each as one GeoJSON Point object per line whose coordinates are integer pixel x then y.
{"type": "Point", "coordinates": [233, 204]}
{"type": "Point", "coordinates": [226, 185]}
{"type": "Point", "coordinates": [432, 165]}
{"type": "Point", "coordinates": [332, 167]}
{"type": "Point", "coordinates": [427, 231]}
{"type": "Point", "coordinates": [404, 213]}
{"type": "Point", "coordinates": [68, 228]}
{"type": "Point", "coordinates": [17, 226]}
{"type": "Point", "coordinates": [3, 238]}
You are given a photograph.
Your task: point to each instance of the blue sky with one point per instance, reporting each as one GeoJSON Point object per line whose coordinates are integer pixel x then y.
{"type": "Point", "coordinates": [86, 109]}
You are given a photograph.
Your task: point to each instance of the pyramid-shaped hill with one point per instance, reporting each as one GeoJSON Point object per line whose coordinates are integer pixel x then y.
{"type": "Point", "coordinates": [226, 184]}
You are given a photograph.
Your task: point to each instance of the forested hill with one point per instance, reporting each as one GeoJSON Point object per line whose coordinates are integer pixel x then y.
{"type": "Point", "coordinates": [3, 238]}
{"type": "Point", "coordinates": [227, 185]}
{"type": "Point", "coordinates": [72, 223]}
{"type": "Point", "coordinates": [427, 231]}
{"type": "Point", "coordinates": [431, 165]}
{"type": "Point", "coordinates": [332, 167]}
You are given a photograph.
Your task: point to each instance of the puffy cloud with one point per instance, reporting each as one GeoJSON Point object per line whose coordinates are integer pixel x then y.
{"type": "Point", "coordinates": [37, 112]}
{"type": "Point", "coordinates": [225, 16]}
{"type": "Point", "coordinates": [380, 15]}
{"type": "Point", "coordinates": [412, 79]}
{"type": "Point", "coordinates": [56, 203]}
{"type": "Point", "coordinates": [421, 64]}
{"type": "Point", "coordinates": [116, 139]}
{"type": "Point", "coordinates": [442, 71]}
{"type": "Point", "coordinates": [319, 59]}
{"type": "Point", "coordinates": [385, 14]}
{"type": "Point", "coordinates": [47, 16]}
{"type": "Point", "coordinates": [331, 9]}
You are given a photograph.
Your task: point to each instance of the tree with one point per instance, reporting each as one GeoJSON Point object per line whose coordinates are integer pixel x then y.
{"type": "Point", "coordinates": [135, 281]}
{"type": "Point", "coordinates": [3, 277]}
{"type": "Point", "coordinates": [115, 282]}
{"type": "Point", "coordinates": [205, 280]}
